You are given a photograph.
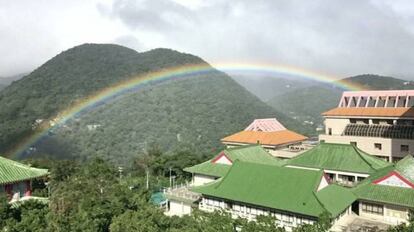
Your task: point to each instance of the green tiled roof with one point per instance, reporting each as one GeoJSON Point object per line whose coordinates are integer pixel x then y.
{"type": "Point", "coordinates": [386, 194]}
{"type": "Point", "coordinates": [336, 198]}
{"type": "Point", "coordinates": [287, 189]}
{"type": "Point", "coordinates": [252, 154]}
{"type": "Point", "coordinates": [406, 167]}
{"type": "Point", "coordinates": [12, 171]}
{"type": "Point", "coordinates": [339, 157]}
{"type": "Point", "coordinates": [367, 190]}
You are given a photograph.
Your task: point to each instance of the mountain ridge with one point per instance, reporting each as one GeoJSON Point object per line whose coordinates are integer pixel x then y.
{"type": "Point", "coordinates": [83, 70]}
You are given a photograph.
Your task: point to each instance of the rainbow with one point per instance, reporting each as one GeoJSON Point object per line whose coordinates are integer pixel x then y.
{"type": "Point", "coordinates": [165, 74]}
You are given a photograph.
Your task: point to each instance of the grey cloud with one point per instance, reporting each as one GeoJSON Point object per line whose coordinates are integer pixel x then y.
{"type": "Point", "coordinates": [129, 41]}
{"type": "Point", "coordinates": [338, 37]}
{"type": "Point", "coordinates": [152, 15]}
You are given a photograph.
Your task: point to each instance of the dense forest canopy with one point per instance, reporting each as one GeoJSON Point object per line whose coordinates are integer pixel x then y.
{"type": "Point", "coordinates": [196, 111]}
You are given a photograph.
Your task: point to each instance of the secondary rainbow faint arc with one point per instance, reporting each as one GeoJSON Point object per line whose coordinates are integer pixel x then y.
{"type": "Point", "coordinates": [168, 73]}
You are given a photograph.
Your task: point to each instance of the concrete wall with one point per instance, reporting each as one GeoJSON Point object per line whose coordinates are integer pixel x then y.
{"type": "Point", "coordinates": [202, 179]}
{"type": "Point", "coordinates": [179, 208]}
{"type": "Point", "coordinates": [336, 124]}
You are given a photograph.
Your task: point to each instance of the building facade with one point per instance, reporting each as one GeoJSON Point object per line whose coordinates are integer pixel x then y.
{"type": "Point", "coordinates": [378, 122]}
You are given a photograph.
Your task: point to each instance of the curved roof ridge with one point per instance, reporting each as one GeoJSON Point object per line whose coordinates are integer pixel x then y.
{"type": "Point", "coordinates": [319, 201]}
{"type": "Point", "coordinates": [362, 156]}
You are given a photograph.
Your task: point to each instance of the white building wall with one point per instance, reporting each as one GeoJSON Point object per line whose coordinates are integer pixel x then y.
{"type": "Point", "coordinates": [202, 179]}
{"type": "Point", "coordinates": [284, 219]}
{"type": "Point", "coordinates": [178, 208]}
{"type": "Point", "coordinates": [337, 125]}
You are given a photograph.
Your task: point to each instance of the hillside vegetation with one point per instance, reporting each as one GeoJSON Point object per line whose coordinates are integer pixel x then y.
{"type": "Point", "coordinates": [196, 111]}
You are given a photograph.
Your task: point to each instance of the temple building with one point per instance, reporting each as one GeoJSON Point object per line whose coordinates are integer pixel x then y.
{"type": "Point", "coordinates": [388, 195]}
{"type": "Point", "coordinates": [181, 200]}
{"type": "Point", "coordinates": [16, 179]}
{"type": "Point", "coordinates": [271, 135]}
{"type": "Point", "coordinates": [378, 122]}
{"type": "Point", "coordinates": [293, 196]}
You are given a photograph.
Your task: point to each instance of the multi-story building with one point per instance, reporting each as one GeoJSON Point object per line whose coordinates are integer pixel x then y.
{"type": "Point", "coordinates": [377, 122]}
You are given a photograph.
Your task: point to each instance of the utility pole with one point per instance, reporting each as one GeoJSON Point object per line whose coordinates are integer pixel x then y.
{"type": "Point", "coordinates": [170, 178]}
{"type": "Point", "coordinates": [120, 170]}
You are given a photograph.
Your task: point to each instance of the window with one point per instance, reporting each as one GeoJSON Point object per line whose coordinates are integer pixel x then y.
{"type": "Point", "coordinates": [329, 131]}
{"type": "Point", "coordinates": [372, 208]}
{"type": "Point", "coordinates": [404, 148]}
{"type": "Point", "coordinates": [378, 146]}
{"type": "Point", "coordinates": [362, 121]}
{"type": "Point", "coordinates": [236, 208]}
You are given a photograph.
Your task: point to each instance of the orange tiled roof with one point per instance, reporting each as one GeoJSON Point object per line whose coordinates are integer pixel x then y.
{"type": "Point", "coordinates": [371, 111]}
{"type": "Point", "coordinates": [265, 138]}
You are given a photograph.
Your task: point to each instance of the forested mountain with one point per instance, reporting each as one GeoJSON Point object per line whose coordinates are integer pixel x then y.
{"type": "Point", "coordinates": [196, 111]}
{"type": "Point", "coordinates": [5, 81]}
{"type": "Point", "coordinates": [2, 86]}
{"type": "Point", "coordinates": [266, 87]}
{"type": "Point", "coordinates": [308, 103]}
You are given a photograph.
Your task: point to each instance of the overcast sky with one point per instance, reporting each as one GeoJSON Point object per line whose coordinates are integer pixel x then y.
{"type": "Point", "coordinates": [340, 38]}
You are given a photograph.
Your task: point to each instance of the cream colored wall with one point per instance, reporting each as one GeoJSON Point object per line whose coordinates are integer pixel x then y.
{"type": "Point", "coordinates": [202, 179]}
{"type": "Point", "coordinates": [179, 208]}
{"type": "Point", "coordinates": [324, 183]}
{"type": "Point", "coordinates": [364, 143]}
{"type": "Point", "coordinates": [395, 214]}
{"type": "Point", "coordinates": [389, 146]}
{"type": "Point", "coordinates": [392, 214]}
{"type": "Point", "coordinates": [337, 124]}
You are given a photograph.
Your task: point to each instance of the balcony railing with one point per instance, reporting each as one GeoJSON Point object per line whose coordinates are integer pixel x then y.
{"type": "Point", "coordinates": [382, 131]}
{"type": "Point", "coordinates": [182, 192]}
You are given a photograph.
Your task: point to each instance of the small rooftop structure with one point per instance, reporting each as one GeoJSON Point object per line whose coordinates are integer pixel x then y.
{"type": "Point", "coordinates": [266, 125]}
{"type": "Point", "coordinates": [385, 103]}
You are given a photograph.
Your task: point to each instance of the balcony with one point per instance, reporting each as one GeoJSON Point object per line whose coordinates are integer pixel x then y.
{"type": "Point", "coordinates": [181, 193]}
